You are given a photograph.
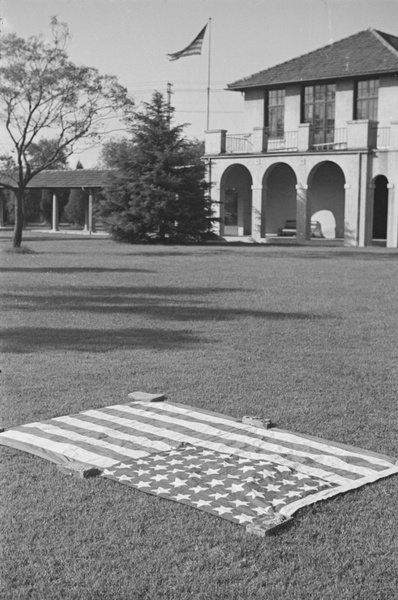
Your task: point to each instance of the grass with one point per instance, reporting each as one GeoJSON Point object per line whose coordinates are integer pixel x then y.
{"type": "Point", "coordinates": [308, 336]}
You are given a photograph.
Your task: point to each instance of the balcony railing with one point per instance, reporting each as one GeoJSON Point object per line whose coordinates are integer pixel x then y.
{"type": "Point", "coordinates": [239, 143]}
{"type": "Point", "coordinates": [383, 137]}
{"type": "Point", "coordinates": [358, 135]}
{"type": "Point", "coordinates": [287, 143]}
{"type": "Point", "coordinates": [339, 141]}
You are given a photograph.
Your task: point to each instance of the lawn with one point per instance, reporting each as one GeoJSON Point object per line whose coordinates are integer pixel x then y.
{"type": "Point", "coordinates": [306, 336]}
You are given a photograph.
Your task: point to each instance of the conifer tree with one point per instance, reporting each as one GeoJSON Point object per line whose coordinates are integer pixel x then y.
{"type": "Point", "coordinates": [75, 210]}
{"type": "Point", "coordinates": [157, 188]}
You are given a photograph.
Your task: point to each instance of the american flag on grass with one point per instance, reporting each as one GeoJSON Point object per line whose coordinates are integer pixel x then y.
{"type": "Point", "coordinates": [249, 475]}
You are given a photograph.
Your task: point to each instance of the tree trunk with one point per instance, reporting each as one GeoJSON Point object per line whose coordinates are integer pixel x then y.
{"type": "Point", "coordinates": [19, 218]}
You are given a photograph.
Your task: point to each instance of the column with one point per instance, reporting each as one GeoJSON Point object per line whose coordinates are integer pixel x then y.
{"type": "Point", "coordinates": [218, 207]}
{"type": "Point", "coordinates": [392, 217]}
{"type": "Point", "coordinates": [305, 137]}
{"type": "Point", "coordinates": [241, 209]}
{"type": "Point", "coordinates": [215, 141]}
{"type": "Point", "coordinates": [259, 139]}
{"type": "Point", "coordinates": [86, 213]}
{"type": "Point", "coordinates": [303, 214]}
{"type": "Point", "coordinates": [55, 213]}
{"type": "Point", "coordinates": [91, 222]}
{"type": "Point", "coordinates": [257, 197]}
{"type": "Point", "coordinates": [350, 215]}
{"type": "Point", "coordinates": [2, 207]}
{"type": "Point", "coordinates": [365, 204]}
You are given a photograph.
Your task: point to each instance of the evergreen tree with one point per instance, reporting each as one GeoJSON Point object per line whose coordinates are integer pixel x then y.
{"type": "Point", "coordinates": [157, 188]}
{"type": "Point", "coordinates": [75, 209]}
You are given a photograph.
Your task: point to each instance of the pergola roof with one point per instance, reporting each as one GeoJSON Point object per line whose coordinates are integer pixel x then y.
{"type": "Point", "coordinates": [79, 178]}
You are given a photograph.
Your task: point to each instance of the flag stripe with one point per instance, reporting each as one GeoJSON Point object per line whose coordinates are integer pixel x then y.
{"type": "Point", "coordinates": [243, 441]}
{"type": "Point", "coordinates": [323, 495]}
{"type": "Point", "coordinates": [56, 449]}
{"type": "Point", "coordinates": [218, 446]}
{"type": "Point", "coordinates": [193, 48]}
{"type": "Point", "coordinates": [276, 434]}
{"type": "Point", "coordinates": [135, 440]}
{"type": "Point", "coordinates": [100, 445]}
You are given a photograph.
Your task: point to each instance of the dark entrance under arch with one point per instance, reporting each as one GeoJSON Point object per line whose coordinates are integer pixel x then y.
{"type": "Point", "coordinates": [236, 194]}
{"type": "Point", "coordinates": [279, 202]}
{"type": "Point", "coordinates": [380, 208]}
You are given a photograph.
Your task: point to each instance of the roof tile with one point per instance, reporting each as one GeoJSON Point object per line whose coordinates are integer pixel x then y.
{"type": "Point", "coordinates": [368, 52]}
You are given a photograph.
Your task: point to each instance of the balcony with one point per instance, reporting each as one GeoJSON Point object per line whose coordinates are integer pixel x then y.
{"type": "Point", "coordinates": [239, 143]}
{"type": "Point", "coordinates": [358, 135]}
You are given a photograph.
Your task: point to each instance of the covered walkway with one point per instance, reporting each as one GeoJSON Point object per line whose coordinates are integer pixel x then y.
{"type": "Point", "coordinates": [89, 180]}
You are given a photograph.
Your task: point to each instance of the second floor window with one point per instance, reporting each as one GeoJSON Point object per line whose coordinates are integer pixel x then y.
{"type": "Point", "coordinates": [367, 93]}
{"type": "Point", "coordinates": [318, 109]}
{"type": "Point", "coordinates": [275, 113]}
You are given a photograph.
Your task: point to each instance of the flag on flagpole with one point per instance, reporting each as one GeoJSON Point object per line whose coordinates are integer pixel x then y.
{"type": "Point", "coordinates": [194, 48]}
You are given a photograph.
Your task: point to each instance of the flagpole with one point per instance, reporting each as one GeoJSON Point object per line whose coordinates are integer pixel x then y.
{"type": "Point", "coordinates": [208, 79]}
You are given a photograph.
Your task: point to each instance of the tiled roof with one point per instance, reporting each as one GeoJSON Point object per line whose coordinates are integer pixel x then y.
{"type": "Point", "coordinates": [369, 52]}
{"type": "Point", "coordinates": [79, 178]}
{"type": "Point", "coordinates": [68, 179]}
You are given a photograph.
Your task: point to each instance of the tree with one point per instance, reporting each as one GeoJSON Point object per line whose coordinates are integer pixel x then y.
{"type": "Point", "coordinates": [157, 187]}
{"type": "Point", "coordinates": [75, 210]}
{"type": "Point", "coordinates": [45, 95]}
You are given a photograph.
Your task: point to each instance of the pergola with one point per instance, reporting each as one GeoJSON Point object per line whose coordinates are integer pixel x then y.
{"type": "Point", "coordinates": [89, 180]}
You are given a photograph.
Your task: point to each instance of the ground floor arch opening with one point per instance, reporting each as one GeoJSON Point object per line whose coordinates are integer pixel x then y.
{"type": "Point", "coordinates": [236, 202]}
{"type": "Point", "coordinates": [380, 208]}
{"type": "Point", "coordinates": [279, 199]}
{"type": "Point", "coordinates": [327, 200]}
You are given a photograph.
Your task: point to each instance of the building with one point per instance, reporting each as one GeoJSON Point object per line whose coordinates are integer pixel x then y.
{"type": "Point", "coordinates": [319, 156]}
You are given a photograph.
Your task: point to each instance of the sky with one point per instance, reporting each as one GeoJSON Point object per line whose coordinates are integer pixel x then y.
{"type": "Point", "coordinates": [131, 38]}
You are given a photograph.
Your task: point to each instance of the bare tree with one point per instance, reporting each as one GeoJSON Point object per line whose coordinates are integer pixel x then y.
{"type": "Point", "coordinates": [43, 95]}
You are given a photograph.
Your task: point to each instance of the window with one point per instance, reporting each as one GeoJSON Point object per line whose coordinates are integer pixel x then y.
{"type": "Point", "coordinates": [367, 93]}
{"type": "Point", "coordinates": [275, 113]}
{"type": "Point", "coordinates": [318, 109]}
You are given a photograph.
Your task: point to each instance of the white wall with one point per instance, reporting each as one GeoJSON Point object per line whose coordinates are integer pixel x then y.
{"type": "Point", "coordinates": [388, 101]}
{"type": "Point", "coordinates": [253, 110]}
{"type": "Point", "coordinates": [344, 110]}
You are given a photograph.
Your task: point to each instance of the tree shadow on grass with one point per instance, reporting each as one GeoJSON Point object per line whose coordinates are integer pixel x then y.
{"type": "Point", "coordinates": [22, 340]}
{"type": "Point", "coordinates": [164, 303]}
{"type": "Point", "coordinates": [69, 270]}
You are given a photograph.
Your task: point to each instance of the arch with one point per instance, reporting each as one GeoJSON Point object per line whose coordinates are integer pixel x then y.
{"type": "Point", "coordinates": [326, 198]}
{"type": "Point", "coordinates": [380, 208]}
{"type": "Point", "coordinates": [279, 198]}
{"type": "Point", "coordinates": [236, 201]}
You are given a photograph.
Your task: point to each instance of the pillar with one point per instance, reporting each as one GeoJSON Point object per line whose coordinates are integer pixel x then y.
{"type": "Point", "coordinates": [365, 203]}
{"type": "Point", "coordinates": [218, 208]}
{"type": "Point", "coordinates": [303, 214]}
{"type": "Point", "coordinates": [55, 213]}
{"type": "Point", "coordinates": [305, 137]}
{"type": "Point", "coordinates": [350, 215]}
{"type": "Point", "coordinates": [257, 196]}
{"type": "Point", "coordinates": [86, 213]}
{"type": "Point", "coordinates": [259, 139]}
{"type": "Point", "coordinates": [91, 222]}
{"type": "Point", "coordinates": [2, 209]}
{"type": "Point", "coordinates": [215, 141]}
{"type": "Point", "coordinates": [392, 218]}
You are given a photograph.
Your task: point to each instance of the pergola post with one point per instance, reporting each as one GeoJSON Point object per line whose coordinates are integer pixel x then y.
{"type": "Point", "coordinates": [55, 212]}
{"type": "Point", "coordinates": [2, 207]}
{"type": "Point", "coordinates": [86, 213]}
{"type": "Point", "coordinates": [91, 221]}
